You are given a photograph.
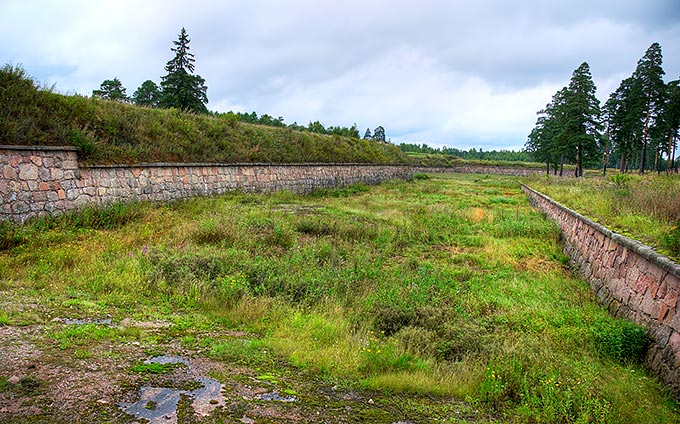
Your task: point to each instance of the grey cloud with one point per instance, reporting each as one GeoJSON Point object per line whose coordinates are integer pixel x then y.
{"type": "Point", "coordinates": [439, 71]}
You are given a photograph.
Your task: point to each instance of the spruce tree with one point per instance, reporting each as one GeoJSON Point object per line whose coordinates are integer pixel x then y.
{"type": "Point", "coordinates": [181, 88]}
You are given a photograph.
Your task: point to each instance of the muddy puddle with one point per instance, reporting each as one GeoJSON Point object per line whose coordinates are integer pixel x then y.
{"type": "Point", "coordinates": [159, 404]}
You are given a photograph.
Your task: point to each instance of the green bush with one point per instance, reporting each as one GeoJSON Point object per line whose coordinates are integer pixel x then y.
{"type": "Point", "coordinates": [620, 340]}
{"type": "Point", "coordinates": [620, 180]}
{"type": "Point", "coordinates": [421, 177]}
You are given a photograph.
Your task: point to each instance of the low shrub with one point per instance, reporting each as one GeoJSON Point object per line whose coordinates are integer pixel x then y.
{"type": "Point", "coordinates": [211, 231]}
{"type": "Point", "coordinates": [620, 340]}
{"type": "Point", "coordinates": [420, 177]}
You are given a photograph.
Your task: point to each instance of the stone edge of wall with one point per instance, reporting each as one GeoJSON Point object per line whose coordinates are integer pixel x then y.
{"type": "Point", "coordinates": [641, 249]}
{"type": "Point", "coordinates": [235, 164]}
{"type": "Point", "coordinates": [38, 148]}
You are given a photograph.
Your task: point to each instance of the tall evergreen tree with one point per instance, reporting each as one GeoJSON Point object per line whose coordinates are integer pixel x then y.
{"type": "Point", "coordinates": [181, 88]}
{"type": "Point", "coordinates": [111, 90]}
{"type": "Point", "coordinates": [623, 109]}
{"type": "Point", "coordinates": [669, 122]}
{"type": "Point", "coordinates": [148, 94]}
{"type": "Point", "coordinates": [649, 75]}
{"type": "Point", "coordinates": [581, 128]}
{"type": "Point", "coordinates": [568, 128]}
{"type": "Point", "coordinates": [379, 134]}
{"type": "Point", "coordinates": [368, 135]}
{"type": "Point", "coordinates": [543, 143]}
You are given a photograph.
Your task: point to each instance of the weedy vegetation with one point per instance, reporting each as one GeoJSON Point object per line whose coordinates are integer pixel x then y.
{"type": "Point", "coordinates": [445, 287]}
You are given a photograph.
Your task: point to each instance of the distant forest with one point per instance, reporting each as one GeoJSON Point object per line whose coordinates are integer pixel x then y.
{"type": "Point", "coordinates": [495, 155]}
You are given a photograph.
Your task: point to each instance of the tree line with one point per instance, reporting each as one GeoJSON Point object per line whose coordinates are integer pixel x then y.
{"type": "Point", "coordinates": [636, 129]}
{"type": "Point", "coordinates": [472, 154]}
{"type": "Point", "coordinates": [183, 90]}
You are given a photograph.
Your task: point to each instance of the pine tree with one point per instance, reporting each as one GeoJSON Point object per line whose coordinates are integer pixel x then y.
{"type": "Point", "coordinates": [669, 121]}
{"type": "Point", "coordinates": [111, 90]}
{"type": "Point", "coordinates": [368, 135]}
{"type": "Point", "coordinates": [624, 110]}
{"type": "Point", "coordinates": [543, 142]}
{"type": "Point", "coordinates": [379, 134]}
{"type": "Point", "coordinates": [649, 75]}
{"type": "Point", "coordinates": [581, 128]}
{"type": "Point", "coordinates": [181, 88]}
{"type": "Point", "coordinates": [148, 94]}
{"type": "Point", "coordinates": [568, 128]}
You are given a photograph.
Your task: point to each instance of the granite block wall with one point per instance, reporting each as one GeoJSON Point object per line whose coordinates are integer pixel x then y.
{"type": "Point", "coordinates": [40, 180]}
{"type": "Point", "coordinates": [483, 169]}
{"type": "Point", "coordinates": [48, 180]}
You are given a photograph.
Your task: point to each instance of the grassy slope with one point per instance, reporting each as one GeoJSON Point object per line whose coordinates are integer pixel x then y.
{"type": "Point", "coordinates": [110, 132]}
{"type": "Point", "coordinates": [451, 286]}
{"type": "Point", "coordinates": [644, 208]}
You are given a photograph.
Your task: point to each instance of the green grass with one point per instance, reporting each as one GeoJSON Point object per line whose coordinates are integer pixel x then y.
{"type": "Point", "coordinates": [646, 208]}
{"type": "Point", "coordinates": [451, 287]}
{"type": "Point", "coordinates": [155, 368]}
{"type": "Point", "coordinates": [109, 132]}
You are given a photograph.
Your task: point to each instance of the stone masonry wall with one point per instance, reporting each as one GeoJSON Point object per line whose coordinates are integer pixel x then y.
{"type": "Point", "coordinates": [482, 169]}
{"type": "Point", "coordinates": [630, 279]}
{"type": "Point", "coordinates": [40, 180]}
{"type": "Point", "coordinates": [48, 180]}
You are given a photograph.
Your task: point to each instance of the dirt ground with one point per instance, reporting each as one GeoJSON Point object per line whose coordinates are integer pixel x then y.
{"type": "Point", "coordinates": [41, 382]}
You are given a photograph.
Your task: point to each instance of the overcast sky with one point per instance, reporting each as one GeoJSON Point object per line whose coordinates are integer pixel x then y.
{"type": "Point", "coordinates": [456, 73]}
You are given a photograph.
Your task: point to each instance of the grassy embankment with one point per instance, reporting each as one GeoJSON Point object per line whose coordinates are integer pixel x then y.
{"type": "Point", "coordinates": [645, 208]}
{"type": "Point", "coordinates": [111, 132]}
{"type": "Point", "coordinates": [446, 288]}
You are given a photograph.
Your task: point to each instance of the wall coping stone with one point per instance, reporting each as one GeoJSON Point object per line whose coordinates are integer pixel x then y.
{"type": "Point", "coordinates": [39, 148]}
{"type": "Point", "coordinates": [253, 164]}
{"type": "Point", "coordinates": [641, 249]}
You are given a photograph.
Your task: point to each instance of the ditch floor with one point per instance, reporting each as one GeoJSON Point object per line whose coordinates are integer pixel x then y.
{"type": "Point", "coordinates": [42, 380]}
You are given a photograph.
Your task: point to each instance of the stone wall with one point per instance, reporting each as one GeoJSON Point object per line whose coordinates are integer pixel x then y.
{"type": "Point", "coordinates": [48, 180]}
{"type": "Point", "coordinates": [40, 180]}
{"type": "Point", "coordinates": [482, 169]}
{"type": "Point", "coordinates": [630, 279]}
